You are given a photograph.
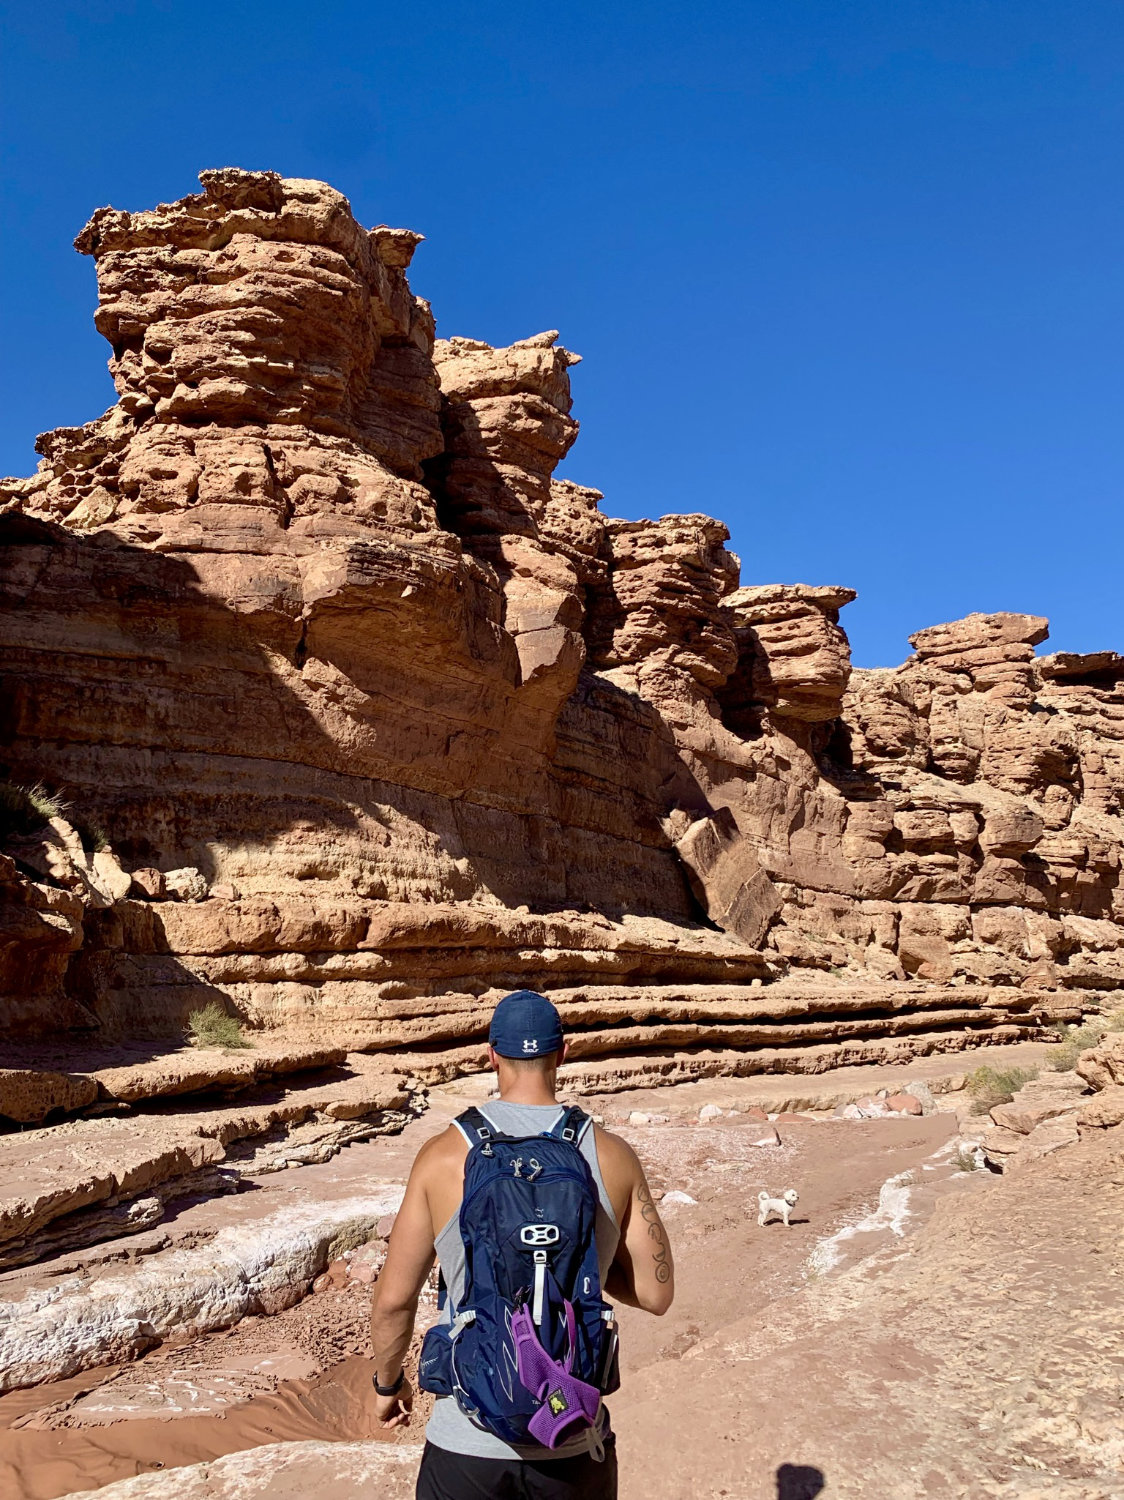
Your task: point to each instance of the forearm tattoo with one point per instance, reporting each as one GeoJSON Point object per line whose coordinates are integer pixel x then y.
{"type": "Point", "coordinates": [650, 1215]}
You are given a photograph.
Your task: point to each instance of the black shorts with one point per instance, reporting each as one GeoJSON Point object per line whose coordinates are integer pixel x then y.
{"type": "Point", "coordinates": [456, 1476]}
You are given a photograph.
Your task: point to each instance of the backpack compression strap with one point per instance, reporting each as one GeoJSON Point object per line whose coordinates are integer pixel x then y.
{"type": "Point", "coordinates": [570, 1126]}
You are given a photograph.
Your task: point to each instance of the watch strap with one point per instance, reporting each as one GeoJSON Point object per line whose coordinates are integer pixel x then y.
{"type": "Point", "coordinates": [388, 1390]}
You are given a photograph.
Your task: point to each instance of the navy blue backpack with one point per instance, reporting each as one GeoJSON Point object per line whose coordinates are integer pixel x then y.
{"type": "Point", "coordinates": [532, 1347]}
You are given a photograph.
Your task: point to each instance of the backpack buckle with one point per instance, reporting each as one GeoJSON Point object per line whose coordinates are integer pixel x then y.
{"type": "Point", "coordinates": [540, 1234]}
{"type": "Point", "coordinates": [569, 1134]}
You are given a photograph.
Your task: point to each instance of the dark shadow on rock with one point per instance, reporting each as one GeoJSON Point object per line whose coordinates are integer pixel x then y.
{"type": "Point", "coordinates": [799, 1482]}
{"type": "Point", "coordinates": [185, 724]}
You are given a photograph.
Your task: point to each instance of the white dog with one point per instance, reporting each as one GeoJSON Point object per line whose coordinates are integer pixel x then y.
{"type": "Point", "coordinates": [782, 1206]}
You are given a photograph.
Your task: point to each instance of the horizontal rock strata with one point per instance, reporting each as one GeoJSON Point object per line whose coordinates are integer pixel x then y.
{"type": "Point", "coordinates": [354, 715]}
{"type": "Point", "coordinates": [84, 1179]}
{"type": "Point", "coordinates": [245, 1270]}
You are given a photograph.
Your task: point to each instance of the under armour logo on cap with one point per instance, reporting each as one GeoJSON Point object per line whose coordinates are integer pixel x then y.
{"type": "Point", "coordinates": [525, 1024]}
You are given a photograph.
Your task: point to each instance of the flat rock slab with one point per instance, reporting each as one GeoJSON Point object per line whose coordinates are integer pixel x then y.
{"type": "Point", "coordinates": [65, 1168]}
{"type": "Point", "coordinates": [42, 1079]}
{"type": "Point", "coordinates": [198, 1068]}
{"type": "Point", "coordinates": [978, 1358]}
{"type": "Point", "coordinates": [68, 1167]}
{"type": "Point", "coordinates": [28, 1095]}
{"type": "Point", "coordinates": [280, 1471]}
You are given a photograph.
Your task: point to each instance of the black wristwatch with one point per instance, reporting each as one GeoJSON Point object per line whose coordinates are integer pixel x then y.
{"type": "Point", "coordinates": [388, 1390]}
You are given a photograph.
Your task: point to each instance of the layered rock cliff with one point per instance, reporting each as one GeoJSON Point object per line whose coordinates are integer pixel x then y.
{"type": "Point", "coordinates": [306, 612]}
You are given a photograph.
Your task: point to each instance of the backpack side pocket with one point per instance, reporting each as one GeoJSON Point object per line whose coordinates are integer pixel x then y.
{"type": "Point", "coordinates": [435, 1367]}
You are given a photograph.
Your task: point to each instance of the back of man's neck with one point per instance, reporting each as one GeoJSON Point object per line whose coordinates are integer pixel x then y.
{"type": "Point", "coordinates": [527, 1096]}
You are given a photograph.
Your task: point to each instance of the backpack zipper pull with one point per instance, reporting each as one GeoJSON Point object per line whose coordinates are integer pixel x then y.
{"type": "Point", "coordinates": [517, 1166]}
{"type": "Point", "coordinates": [536, 1168]}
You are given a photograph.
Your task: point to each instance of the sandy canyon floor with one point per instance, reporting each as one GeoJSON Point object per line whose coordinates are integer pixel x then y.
{"type": "Point", "coordinates": [917, 1331]}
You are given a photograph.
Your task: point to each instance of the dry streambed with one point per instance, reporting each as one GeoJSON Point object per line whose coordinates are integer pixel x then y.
{"type": "Point", "coordinates": [303, 1373]}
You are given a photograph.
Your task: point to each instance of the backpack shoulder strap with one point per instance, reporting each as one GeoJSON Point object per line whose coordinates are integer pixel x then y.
{"type": "Point", "coordinates": [572, 1125]}
{"type": "Point", "coordinates": [474, 1127]}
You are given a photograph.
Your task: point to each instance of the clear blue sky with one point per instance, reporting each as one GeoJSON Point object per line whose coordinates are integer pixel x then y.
{"type": "Point", "coordinates": [848, 275]}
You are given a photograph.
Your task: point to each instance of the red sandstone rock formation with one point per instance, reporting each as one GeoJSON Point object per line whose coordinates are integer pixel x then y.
{"type": "Point", "coordinates": [307, 612]}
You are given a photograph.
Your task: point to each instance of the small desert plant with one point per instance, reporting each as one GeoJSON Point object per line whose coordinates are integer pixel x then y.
{"type": "Point", "coordinates": [965, 1161]}
{"type": "Point", "coordinates": [212, 1027]}
{"type": "Point", "coordinates": [1073, 1040]}
{"type": "Point", "coordinates": [23, 809]}
{"type": "Point", "coordinates": [991, 1086]}
{"type": "Point", "coordinates": [93, 835]}
{"type": "Point", "coordinates": [1077, 1039]}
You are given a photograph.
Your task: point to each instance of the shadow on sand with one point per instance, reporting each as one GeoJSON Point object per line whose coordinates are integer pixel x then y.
{"type": "Point", "coordinates": [799, 1482]}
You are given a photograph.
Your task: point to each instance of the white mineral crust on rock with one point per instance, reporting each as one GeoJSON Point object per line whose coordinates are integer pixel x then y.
{"type": "Point", "coordinates": [280, 1471]}
{"type": "Point", "coordinates": [247, 1268]}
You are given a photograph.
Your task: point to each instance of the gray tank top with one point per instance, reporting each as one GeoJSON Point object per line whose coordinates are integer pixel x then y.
{"type": "Point", "coordinates": [448, 1427]}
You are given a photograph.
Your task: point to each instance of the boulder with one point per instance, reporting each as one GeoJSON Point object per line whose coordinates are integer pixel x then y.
{"type": "Point", "coordinates": [724, 872]}
{"type": "Point", "coordinates": [1023, 1114]}
{"type": "Point", "coordinates": [848, 1112]}
{"type": "Point", "coordinates": [1051, 1135]}
{"type": "Point", "coordinates": [1104, 1109]}
{"type": "Point", "coordinates": [148, 885]}
{"type": "Point", "coordinates": [998, 1143]}
{"type": "Point", "coordinates": [1102, 1066]}
{"type": "Point", "coordinates": [187, 884]}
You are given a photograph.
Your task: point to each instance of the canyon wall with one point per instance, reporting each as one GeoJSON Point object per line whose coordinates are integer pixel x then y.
{"type": "Point", "coordinates": [306, 613]}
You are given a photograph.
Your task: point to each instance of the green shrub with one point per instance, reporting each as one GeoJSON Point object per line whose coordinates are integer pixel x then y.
{"type": "Point", "coordinates": [93, 835]}
{"type": "Point", "coordinates": [991, 1086]}
{"type": "Point", "coordinates": [24, 809]}
{"type": "Point", "coordinates": [965, 1161]}
{"type": "Point", "coordinates": [1073, 1041]}
{"type": "Point", "coordinates": [212, 1027]}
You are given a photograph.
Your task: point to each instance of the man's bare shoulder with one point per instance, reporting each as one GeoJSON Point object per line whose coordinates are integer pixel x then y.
{"type": "Point", "coordinates": [619, 1163]}
{"type": "Point", "coordinates": [614, 1146]}
{"type": "Point", "coordinates": [441, 1152]}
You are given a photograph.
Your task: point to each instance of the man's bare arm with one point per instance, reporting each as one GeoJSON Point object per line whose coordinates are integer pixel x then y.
{"type": "Point", "coordinates": [394, 1304]}
{"type": "Point", "coordinates": [643, 1271]}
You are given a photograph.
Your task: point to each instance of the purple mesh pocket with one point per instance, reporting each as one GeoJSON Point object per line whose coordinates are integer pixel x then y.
{"type": "Point", "coordinates": [566, 1400]}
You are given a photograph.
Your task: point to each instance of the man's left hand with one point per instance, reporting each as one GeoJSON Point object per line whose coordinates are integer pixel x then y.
{"type": "Point", "coordinates": [394, 1411]}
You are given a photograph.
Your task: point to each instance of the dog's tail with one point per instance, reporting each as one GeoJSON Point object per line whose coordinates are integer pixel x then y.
{"type": "Point", "coordinates": [762, 1195]}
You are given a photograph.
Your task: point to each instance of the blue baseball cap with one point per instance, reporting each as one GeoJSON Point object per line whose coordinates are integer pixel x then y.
{"type": "Point", "coordinates": [525, 1025]}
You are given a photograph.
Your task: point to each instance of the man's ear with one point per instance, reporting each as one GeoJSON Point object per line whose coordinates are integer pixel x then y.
{"type": "Point", "coordinates": [493, 1058]}
{"type": "Point", "coordinates": [562, 1054]}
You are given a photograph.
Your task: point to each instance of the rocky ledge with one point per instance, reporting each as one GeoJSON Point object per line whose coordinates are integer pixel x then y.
{"type": "Point", "coordinates": [328, 705]}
